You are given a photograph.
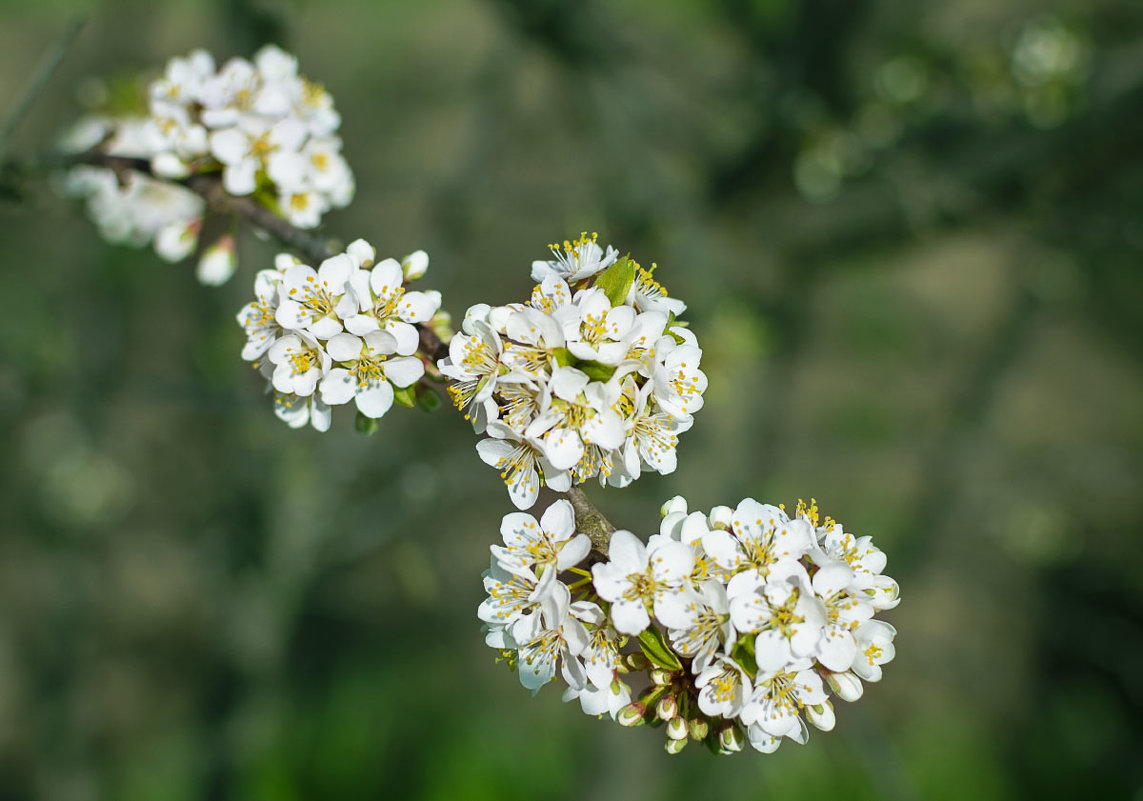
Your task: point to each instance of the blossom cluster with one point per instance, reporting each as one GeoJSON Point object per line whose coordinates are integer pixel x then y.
{"type": "Point", "coordinates": [593, 376]}
{"type": "Point", "coordinates": [269, 132]}
{"type": "Point", "coordinates": [729, 627]}
{"type": "Point", "coordinates": [272, 132]}
{"type": "Point", "coordinates": [343, 332]}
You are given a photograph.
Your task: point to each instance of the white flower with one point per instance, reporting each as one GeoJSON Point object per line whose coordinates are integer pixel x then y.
{"type": "Point", "coordinates": [773, 710]}
{"type": "Point", "coordinates": [648, 295]}
{"type": "Point", "coordinates": [512, 595]}
{"type": "Point", "coordinates": [844, 611]}
{"type": "Point", "coordinates": [296, 411]}
{"type": "Point", "coordinates": [365, 372]}
{"type": "Point", "coordinates": [678, 383]}
{"type": "Point", "coordinates": [521, 463]}
{"type": "Point", "coordinates": [786, 614]}
{"type": "Point", "coordinates": [652, 434]}
{"type": "Point", "coordinates": [724, 688]}
{"type": "Point", "coordinates": [255, 144]}
{"type": "Point", "coordinates": [576, 261]}
{"type": "Point", "coordinates": [257, 318]}
{"type": "Point", "coordinates": [638, 577]}
{"type": "Point", "coordinates": [303, 207]}
{"type": "Point", "coordinates": [600, 655]}
{"type": "Point", "coordinates": [874, 648]}
{"type": "Point", "coordinates": [554, 637]}
{"type": "Point", "coordinates": [383, 303]}
{"type": "Point", "coordinates": [761, 536]}
{"type": "Point", "coordinates": [299, 363]}
{"type": "Point", "coordinates": [317, 300]}
{"type": "Point", "coordinates": [552, 542]}
{"type": "Point", "coordinates": [708, 626]}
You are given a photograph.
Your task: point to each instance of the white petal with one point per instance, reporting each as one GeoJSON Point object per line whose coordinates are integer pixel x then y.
{"type": "Point", "coordinates": [344, 348]}
{"type": "Point", "coordinates": [404, 371]}
{"type": "Point", "coordinates": [629, 617]}
{"type": "Point", "coordinates": [375, 400]}
{"type": "Point", "coordinates": [338, 387]}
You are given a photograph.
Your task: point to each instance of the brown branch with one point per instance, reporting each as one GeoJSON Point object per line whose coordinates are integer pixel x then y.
{"type": "Point", "coordinates": [312, 247]}
{"type": "Point", "coordinates": [590, 521]}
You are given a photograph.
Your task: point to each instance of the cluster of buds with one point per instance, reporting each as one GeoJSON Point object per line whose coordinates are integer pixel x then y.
{"type": "Point", "coordinates": [732, 626]}
{"type": "Point", "coordinates": [592, 377]}
{"type": "Point", "coordinates": [346, 331]}
{"type": "Point", "coordinates": [271, 134]}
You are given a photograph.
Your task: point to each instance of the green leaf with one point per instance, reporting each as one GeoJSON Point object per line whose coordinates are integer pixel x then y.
{"type": "Point", "coordinates": [597, 371]}
{"type": "Point", "coordinates": [406, 397]}
{"type": "Point", "coordinates": [365, 425]}
{"type": "Point", "coordinates": [616, 280]}
{"type": "Point", "coordinates": [656, 649]}
{"type": "Point", "coordinates": [428, 399]}
{"type": "Point", "coordinates": [563, 357]}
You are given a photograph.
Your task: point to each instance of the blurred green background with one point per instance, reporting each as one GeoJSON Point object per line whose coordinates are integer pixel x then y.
{"type": "Point", "coordinates": [911, 238]}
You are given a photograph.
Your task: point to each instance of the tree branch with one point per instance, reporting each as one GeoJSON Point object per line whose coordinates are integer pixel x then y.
{"type": "Point", "coordinates": [312, 247]}
{"type": "Point", "coordinates": [590, 521]}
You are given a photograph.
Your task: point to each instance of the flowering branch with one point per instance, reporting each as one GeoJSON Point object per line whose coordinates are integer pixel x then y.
{"type": "Point", "coordinates": [741, 621]}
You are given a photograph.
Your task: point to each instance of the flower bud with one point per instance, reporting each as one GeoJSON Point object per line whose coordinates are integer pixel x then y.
{"type": "Point", "coordinates": [636, 662]}
{"type": "Point", "coordinates": [667, 708]}
{"type": "Point", "coordinates": [441, 325]}
{"type": "Point", "coordinates": [821, 715]}
{"type": "Point", "coordinates": [631, 715]}
{"type": "Point", "coordinates": [415, 265]}
{"type": "Point", "coordinates": [677, 729]}
{"type": "Point", "coordinates": [674, 746]}
{"type": "Point", "coordinates": [177, 241]}
{"type": "Point", "coordinates": [660, 676]}
{"type": "Point", "coordinates": [698, 728]}
{"type": "Point", "coordinates": [720, 517]}
{"type": "Point", "coordinates": [845, 685]}
{"type": "Point", "coordinates": [217, 263]}
{"type": "Point", "coordinates": [675, 504]}
{"type": "Point", "coordinates": [731, 739]}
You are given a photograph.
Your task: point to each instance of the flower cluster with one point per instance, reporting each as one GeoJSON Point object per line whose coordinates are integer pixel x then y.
{"type": "Point", "coordinates": [732, 626]}
{"type": "Point", "coordinates": [343, 332]}
{"type": "Point", "coordinates": [270, 132]}
{"type": "Point", "coordinates": [593, 376]}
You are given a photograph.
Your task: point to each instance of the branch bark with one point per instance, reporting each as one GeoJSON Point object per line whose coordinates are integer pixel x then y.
{"type": "Point", "coordinates": [590, 521]}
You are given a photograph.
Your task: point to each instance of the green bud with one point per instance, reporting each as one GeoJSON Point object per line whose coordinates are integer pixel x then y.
{"type": "Point", "coordinates": [441, 325]}
{"type": "Point", "coordinates": [731, 739]}
{"type": "Point", "coordinates": [677, 729]}
{"type": "Point", "coordinates": [674, 746]}
{"type": "Point", "coordinates": [632, 714]}
{"type": "Point", "coordinates": [667, 708]}
{"type": "Point", "coordinates": [406, 396]}
{"type": "Point", "coordinates": [428, 399]}
{"type": "Point", "coordinates": [365, 425]}
{"type": "Point", "coordinates": [660, 676]}
{"type": "Point", "coordinates": [698, 728]}
{"type": "Point", "coordinates": [636, 662]}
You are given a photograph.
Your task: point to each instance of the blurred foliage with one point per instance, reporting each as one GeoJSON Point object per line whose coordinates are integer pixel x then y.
{"type": "Point", "coordinates": [910, 236]}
